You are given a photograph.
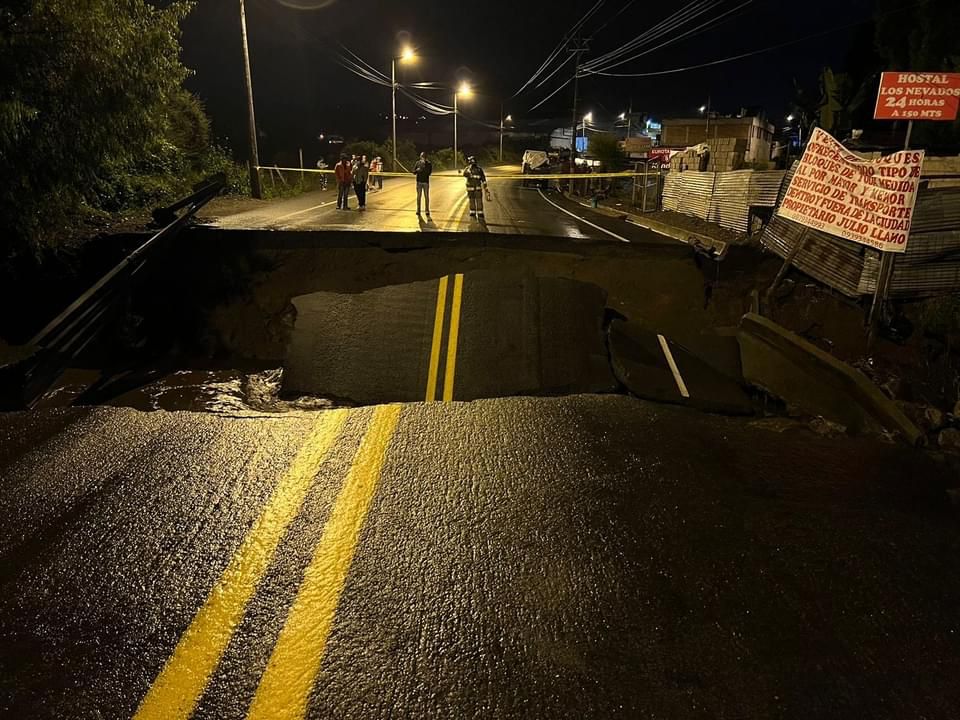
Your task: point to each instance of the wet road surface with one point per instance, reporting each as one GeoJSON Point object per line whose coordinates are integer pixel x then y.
{"type": "Point", "coordinates": [513, 209]}
{"type": "Point", "coordinates": [592, 556]}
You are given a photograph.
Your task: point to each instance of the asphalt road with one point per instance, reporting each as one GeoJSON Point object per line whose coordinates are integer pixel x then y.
{"type": "Point", "coordinates": [513, 210]}
{"type": "Point", "coordinates": [584, 557]}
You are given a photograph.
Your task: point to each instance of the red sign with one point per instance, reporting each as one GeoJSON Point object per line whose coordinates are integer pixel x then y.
{"type": "Point", "coordinates": [918, 96]}
{"type": "Point", "coordinates": [867, 201]}
{"type": "Point", "coordinates": [661, 155]}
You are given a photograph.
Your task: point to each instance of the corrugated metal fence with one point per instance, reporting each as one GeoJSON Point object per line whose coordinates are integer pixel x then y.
{"type": "Point", "coordinates": [930, 266]}
{"type": "Point", "coordinates": [724, 198]}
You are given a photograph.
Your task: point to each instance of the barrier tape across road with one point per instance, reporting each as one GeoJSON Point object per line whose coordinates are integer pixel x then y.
{"type": "Point", "coordinates": [451, 174]}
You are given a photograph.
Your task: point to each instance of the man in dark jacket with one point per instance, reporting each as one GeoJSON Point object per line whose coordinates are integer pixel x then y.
{"type": "Point", "coordinates": [361, 176]}
{"type": "Point", "coordinates": [422, 170]}
{"type": "Point", "coordinates": [344, 174]}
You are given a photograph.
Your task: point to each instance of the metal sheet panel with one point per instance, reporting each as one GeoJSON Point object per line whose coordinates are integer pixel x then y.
{"type": "Point", "coordinates": [724, 198]}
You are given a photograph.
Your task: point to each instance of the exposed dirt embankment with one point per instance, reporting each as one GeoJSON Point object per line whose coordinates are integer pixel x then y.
{"type": "Point", "coordinates": [260, 272]}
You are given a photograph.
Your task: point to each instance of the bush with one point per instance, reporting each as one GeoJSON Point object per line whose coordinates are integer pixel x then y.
{"type": "Point", "coordinates": [95, 116]}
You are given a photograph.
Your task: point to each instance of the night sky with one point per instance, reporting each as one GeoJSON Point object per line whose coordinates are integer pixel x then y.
{"type": "Point", "coordinates": [300, 91]}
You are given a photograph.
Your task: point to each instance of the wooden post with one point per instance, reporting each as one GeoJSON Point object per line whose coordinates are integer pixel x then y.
{"type": "Point", "coordinates": [885, 273]}
{"type": "Point", "coordinates": [301, 166]}
{"type": "Point", "coordinates": [788, 261]}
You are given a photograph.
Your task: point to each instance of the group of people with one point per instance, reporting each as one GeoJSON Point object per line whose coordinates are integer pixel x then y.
{"type": "Point", "coordinates": [363, 176]}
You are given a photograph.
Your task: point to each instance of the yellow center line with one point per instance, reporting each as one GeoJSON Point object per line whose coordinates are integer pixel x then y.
{"type": "Point", "coordinates": [437, 340]}
{"type": "Point", "coordinates": [454, 338]}
{"type": "Point", "coordinates": [176, 691]}
{"type": "Point", "coordinates": [295, 663]}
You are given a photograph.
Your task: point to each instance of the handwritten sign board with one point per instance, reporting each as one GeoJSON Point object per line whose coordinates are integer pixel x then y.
{"type": "Point", "coordinates": [918, 96]}
{"type": "Point", "coordinates": [866, 201]}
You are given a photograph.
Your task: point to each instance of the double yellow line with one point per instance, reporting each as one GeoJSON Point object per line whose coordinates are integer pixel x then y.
{"type": "Point", "coordinates": [295, 662]}
{"type": "Point", "coordinates": [450, 367]}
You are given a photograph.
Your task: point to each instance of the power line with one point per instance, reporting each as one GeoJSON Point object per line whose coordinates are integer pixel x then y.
{"type": "Point", "coordinates": [760, 51]}
{"type": "Point", "coordinates": [567, 37]}
{"type": "Point", "coordinates": [693, 31]}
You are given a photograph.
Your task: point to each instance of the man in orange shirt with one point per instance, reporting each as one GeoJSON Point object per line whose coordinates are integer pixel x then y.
{"type": "Point", "coordinates": [344, 174]}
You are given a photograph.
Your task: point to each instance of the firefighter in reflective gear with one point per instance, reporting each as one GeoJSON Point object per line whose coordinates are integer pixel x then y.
{"type": "Point", "coordinates": [476, 186]}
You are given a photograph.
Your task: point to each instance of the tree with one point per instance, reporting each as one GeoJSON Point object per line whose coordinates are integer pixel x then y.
{"type": "Point", "coordinates": [606, 148]}
{"type": "Point", "coordinates": [93, 113]}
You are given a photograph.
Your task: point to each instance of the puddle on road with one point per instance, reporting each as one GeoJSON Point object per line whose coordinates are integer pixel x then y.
{"type": "Point", "coordinates": [230, 393]}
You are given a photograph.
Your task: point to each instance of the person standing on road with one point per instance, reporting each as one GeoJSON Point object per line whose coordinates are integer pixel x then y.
{"type": "Point", "coordinates": [378, 179]}
{"type": "Point", "coordinates": [423, 169]}
{"type": "Point", "coordinates": [344, 174]}
{"type": "Point", "coordinates": [361, 175]}
{"type": "Point", "coordinates": [476, 186]}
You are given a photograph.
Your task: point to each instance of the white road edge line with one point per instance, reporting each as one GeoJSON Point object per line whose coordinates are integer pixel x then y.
{"type": "Point", "coordinates": [681, 385]}
{"type": "Point", "coordinates": [577, 217]}
{"type": "Point", "coordinates": [300, 212]}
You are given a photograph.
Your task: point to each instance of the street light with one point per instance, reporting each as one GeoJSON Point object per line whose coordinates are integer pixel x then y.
{"type": "Point", "coordinates": [255, 189]}
{"type": "Point", "coordinates": [466, 91]}
{"type": "Point", "coordinates": [508, 118]}
{"type": "Point", "coordinates": [586, 119]}
{"type": "Point", "coordinates": [705, 110]}
{"type": "Point", "coordinates": [407, 55]}
{"type": "Point", "coordinates": [790, 118]}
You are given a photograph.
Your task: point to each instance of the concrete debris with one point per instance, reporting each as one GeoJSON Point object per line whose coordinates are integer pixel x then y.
{"type": "Point", "coordinates": [926, 417]}
{"type": "Point", "coordinates": [827, 428]}
{"type": "Point", "coordinates": [949, 440]}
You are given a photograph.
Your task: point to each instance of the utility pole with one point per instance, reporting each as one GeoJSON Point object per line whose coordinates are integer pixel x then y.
{"type": "Point", "coordinates": [393, 86]}
{"type": "Point", "coordinates": [255, 188]}
{"type": "Point", "coordinates": [501, 133]}
{"type": "Point", "coordinates": [708, 118]}
{"type": "Point", "coordinates": [578, 48]}
{"type": "Point", "coordinates": [629, 118]}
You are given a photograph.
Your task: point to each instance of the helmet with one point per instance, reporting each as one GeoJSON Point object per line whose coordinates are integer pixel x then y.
{"type": "Point", "coordinates": [472, 160]}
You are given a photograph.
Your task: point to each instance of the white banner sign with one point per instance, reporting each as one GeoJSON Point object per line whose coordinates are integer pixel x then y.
{"type": "Point", "coordinates": [866, 201]}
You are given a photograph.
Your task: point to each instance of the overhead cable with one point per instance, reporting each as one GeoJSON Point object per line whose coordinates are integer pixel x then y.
{"type": "Point", "coordinates": [693, 31]}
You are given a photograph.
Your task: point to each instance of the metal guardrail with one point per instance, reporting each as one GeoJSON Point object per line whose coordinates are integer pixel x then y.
{"type": "Point", "coordinates": [71, 332]}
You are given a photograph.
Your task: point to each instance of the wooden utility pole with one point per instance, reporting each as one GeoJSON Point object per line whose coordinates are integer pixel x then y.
{"type": "Point", "coordinates": [255, 188]}
{"type": "Point", "coordinates": [578, 48]}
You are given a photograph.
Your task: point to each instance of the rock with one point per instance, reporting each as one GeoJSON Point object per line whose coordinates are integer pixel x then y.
{"type": "Point", "coordinates": [822, 426]}
{"type": "Point", "coordinates": [949, 440]}
{"type": "Point", "coordinates": [934, 418]}
{"type": "Point", "coordinates": [776, 424]}
{"type": "Point", "coordinates": [926, 417]}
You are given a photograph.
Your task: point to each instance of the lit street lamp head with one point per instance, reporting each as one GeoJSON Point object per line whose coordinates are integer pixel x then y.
{"type": "Point", "coordinates": [703, 109]}
{"type": "Point", "coordinates": [588, 117]}
{"type": "Point", "coordinates": [465, 90]}
{"type": "Point", "coordinates": [508, 118]}
{"type": "Point", "coordinates": [408, 55]}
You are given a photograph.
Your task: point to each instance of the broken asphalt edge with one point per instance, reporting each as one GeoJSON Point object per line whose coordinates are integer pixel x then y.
{"type": "Point", "coordinates": [687, 237]}
{"type": "Point", "coordinates": [822, 368]}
